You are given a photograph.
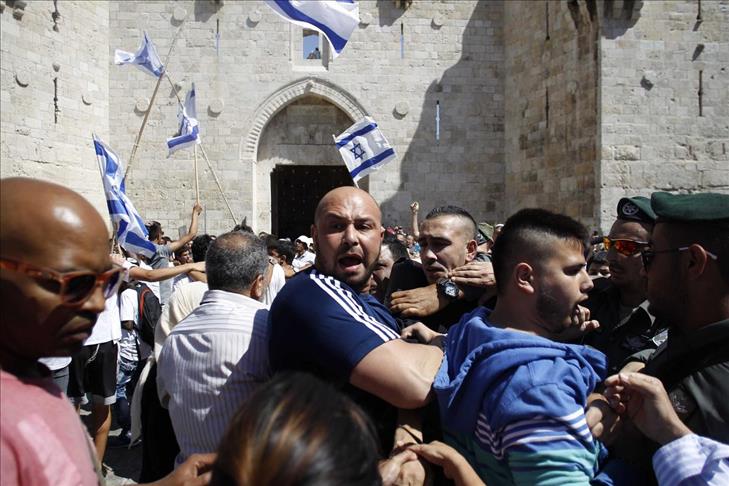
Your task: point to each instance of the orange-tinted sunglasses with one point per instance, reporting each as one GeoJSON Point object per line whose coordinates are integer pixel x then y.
{"type": "Point", "coordinates": [624, 247]}
{"type": "Point", "coordinates": [75, 287]}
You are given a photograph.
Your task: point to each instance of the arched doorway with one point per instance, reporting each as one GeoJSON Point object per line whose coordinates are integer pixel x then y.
{"type": "Point", "coordinates": [298, 159]}
{"type": "Point", "coordinates": [294, 160]}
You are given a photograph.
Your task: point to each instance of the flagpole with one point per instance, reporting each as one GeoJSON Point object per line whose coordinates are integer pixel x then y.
{"type": "Point", "coordinates": [151, 102]}
{"type": "Point", "coordinates": [197, 182]}
{"type": "Point", "coordinates": [220, 188]}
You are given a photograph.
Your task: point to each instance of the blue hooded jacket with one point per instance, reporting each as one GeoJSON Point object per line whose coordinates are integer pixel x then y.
{"type": "Point", "coordinates": [513, 403]}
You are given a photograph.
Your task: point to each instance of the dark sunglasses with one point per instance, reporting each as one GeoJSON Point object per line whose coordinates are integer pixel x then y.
{"type": "Point", "coordinates": [75, 287]}
{"type": "Point", "coordinates": [648, 254]}
{"type": "Point", "coordinates": [624, 247]}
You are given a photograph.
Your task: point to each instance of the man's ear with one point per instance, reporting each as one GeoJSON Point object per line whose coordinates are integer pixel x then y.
{"type": "Point", "coordinates": [314, 236]}
{"type": "Point", "coordinates": [258, 287]}
{"type": "Point", "coordinates": [523, 276]}
{"type": "Point", "coordinates": [697, 260]}
{"type": "Point", "coordinates": [471, 250]}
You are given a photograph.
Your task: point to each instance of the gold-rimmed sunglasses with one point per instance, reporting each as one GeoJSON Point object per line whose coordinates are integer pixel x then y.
{"type": "Point", "coordinates": [75, 287]}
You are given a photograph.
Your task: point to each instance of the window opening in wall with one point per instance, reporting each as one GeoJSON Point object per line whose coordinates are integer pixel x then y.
{"type": "Point", "coordinates": [311, 44]}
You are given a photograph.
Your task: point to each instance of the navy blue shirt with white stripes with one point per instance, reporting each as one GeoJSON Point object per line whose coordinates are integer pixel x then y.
{"type": "Point", "coordinates": [321, 325]}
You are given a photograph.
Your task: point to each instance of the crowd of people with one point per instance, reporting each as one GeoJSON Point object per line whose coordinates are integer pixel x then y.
{"type": "Point", "coordinates": [462, 352]}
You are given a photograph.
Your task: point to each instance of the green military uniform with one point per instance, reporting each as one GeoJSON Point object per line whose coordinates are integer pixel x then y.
{"type": "Point", "coordinates": [694, 367]}
{"type": "Point", "coordinates": [623, 330]}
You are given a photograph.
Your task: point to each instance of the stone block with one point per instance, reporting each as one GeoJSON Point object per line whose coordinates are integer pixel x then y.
{"type": "Point", "coordinates": [626, 152]}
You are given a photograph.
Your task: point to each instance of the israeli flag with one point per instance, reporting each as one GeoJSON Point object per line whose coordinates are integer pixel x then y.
{"type": "Point", "coordinates": [188, 132]}
{"type": "Point", "coordinates": [336, 19]}
{"type": "Point", "coordinates": [131, 232]}
{"type": "Point", "coordinates": [145, 58]}
{"type": "Point", "coordinates": [364, 148]}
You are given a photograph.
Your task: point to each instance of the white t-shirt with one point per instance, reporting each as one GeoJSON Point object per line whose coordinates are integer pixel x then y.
{"type": "Point", "coordinates": [129, 311]}
{"type": "Point", "coordinates": [300, 262]}
{"type": "Point", "coordinates": [153, 286]}
{"type": "Point", "coordinates": [108, 325]}
{"type": "Point", "coordinates": [278, 279]}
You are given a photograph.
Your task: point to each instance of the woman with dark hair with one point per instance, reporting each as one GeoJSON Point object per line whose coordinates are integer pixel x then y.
{"type": "Point", "coordinates": [298, 430]}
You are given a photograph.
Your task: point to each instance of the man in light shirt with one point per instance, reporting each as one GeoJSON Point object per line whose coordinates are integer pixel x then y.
{"type": "Point", "coordinates": [216, 357]}
{"type": "Point", "coordinates": [303, 258]}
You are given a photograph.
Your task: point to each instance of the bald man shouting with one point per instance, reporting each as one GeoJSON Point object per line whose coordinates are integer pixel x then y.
{"type": "Point", "coordinates": [321, 323]}
{"type": "Point", "coordinates": [55, 274]}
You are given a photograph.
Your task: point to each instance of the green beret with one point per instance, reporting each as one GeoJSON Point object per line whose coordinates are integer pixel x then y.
{"type": "Point", "coordinates": [636, 208]}
{"type": "Point", "coordinates": [704, 207]}
{"type": "Point", "coordinates": [485, 232]}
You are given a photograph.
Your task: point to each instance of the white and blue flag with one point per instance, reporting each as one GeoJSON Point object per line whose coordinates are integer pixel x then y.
{"type": "Point", "coordinates": [364, 148]}
{"type": "Point", "coordinates": [145, 58]}
{"type": "Point", "coordinates": [188, 132]}
{"type": "Point", "coordinates": [131, 232]}
{"type": "Point", "coordinates": [336, 19]}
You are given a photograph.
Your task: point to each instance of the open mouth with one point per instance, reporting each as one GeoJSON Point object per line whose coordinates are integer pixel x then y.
{"type": "Point", "coordinates": [350, 262]}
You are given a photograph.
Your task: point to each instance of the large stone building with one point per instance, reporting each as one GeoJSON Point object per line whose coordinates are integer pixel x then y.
{"type": "Point", "coordinates": [562, 104]}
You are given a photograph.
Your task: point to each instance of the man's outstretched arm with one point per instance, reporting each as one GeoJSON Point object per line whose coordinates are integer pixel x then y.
{"type": "Point", "coordinates": [399, 372]}
{"type": "Point", "coordinates": [191, 231]}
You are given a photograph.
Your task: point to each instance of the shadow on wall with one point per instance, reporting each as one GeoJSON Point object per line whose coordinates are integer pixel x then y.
{"type": "Point", "coordinates": [618, 16]}
{"type": "Point", "coordinates": [204, 9]}
{"type": "Point", "coordinates": [465, 166]}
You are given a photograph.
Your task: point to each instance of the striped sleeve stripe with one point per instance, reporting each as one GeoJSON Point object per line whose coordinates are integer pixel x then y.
{"type": "Point", "coordinates": [580, 429]}
{"type": "Point", "coordinates": [355, 305]}
{"type": "Point", "coordinates": [545, 438]}
{"type": "Point", "coordinates": [354, 311]}
{"type": "Point", "coordinates": [575, 421]}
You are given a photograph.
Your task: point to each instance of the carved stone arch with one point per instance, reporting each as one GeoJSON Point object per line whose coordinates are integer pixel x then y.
{"type": "Point", "coordinates": [259, 122]}
{"type": "Point", "coordinates": [293, 91]}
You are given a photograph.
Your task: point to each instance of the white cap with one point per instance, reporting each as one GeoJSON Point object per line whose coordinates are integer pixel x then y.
{"type": "Point", "coordinates": [305, 239]}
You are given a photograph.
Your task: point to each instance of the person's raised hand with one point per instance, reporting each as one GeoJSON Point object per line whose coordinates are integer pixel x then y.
{"type": "Point", "coordinates": [644, 400]}
{"type": "Point", "coordinates": [455, 466]}
{"type": "Point", "coordinates": [420, 302]}
{"type": "Point", "coordinates": [197, 209]}
{"type": "Point", "coordinates": [419, 332]}
{"type": "Point", "coordinates": [195, 471]}
{"type": "Point", "coordinates": [390, 468]}
{"type": "Point", "coordinates": [414, 206]}
{"type": "Point", "coordinates": [474, 274]}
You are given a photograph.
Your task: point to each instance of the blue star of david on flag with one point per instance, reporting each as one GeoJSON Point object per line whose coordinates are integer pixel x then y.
{"type": "Point", "coordinates": [357, 151]}
{"type": "Point", "coordinates": [364, 148]}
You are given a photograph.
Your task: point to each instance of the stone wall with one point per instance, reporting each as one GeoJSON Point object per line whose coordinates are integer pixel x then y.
{"type": "Point", "coordinates": [653, 136]}
{"type": "Point", "coordinates": [33, 142]}
{"type": "Point", "coordinates": [551, 109]}
{"type": "Point", "coordinates": [453, 54]}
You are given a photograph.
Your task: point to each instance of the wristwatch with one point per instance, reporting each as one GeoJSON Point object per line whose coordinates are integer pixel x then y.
{"type": "Point", "coordinates": [447, 288]}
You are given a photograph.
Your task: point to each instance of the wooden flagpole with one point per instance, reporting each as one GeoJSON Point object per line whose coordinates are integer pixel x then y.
{"type": "Point", "coordinates": [197, 182]}
{"type": "Point", "coordinates": [151, 102]}
{"type": "Point", "coordinates": [220, 188]}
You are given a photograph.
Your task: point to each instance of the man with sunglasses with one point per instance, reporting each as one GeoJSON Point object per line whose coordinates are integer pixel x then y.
{"type": "Point", "coordinates": [619, 302]}
{"type": "Point", "coordinates": [51, 292]}
{"type": "Point", "coordinates": [687, 267]}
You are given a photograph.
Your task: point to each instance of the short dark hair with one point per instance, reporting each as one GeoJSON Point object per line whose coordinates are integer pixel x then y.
{"type": "Point", "coordinates": [526, 235]}
{"type": "Point", "coordinates": [396, 247]}
{"type": "Point", "coordinates": [154, 229]}
{"type": "Point", "coordinates": [455, 211]}
{"type": "Point", "coordinates": [234, 260]}
{"type": "Point", "coordinates": [286, 249]}
{"type": "Point", "coordinates": [200, 246]}
{"type": "Point", "coordinates": [298, 430]}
